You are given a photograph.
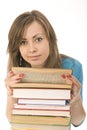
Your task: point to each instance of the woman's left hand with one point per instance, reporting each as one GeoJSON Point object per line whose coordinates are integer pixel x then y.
{"type": "Point", "coordinates": [76, 86]}
{"type": "Point", "coordinates": [75, 91]}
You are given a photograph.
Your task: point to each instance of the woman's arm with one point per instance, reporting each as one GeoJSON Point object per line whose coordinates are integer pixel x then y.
{"type": "Point", "coordinates": [11, 79]}
{"type": "Point", "coordinates": [9, 106]}
{"type": "Point", "coordinates": [77, 111]}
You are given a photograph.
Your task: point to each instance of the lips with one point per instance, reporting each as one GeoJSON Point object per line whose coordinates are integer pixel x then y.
{"type": "Point", "coordinates": [34, 57]}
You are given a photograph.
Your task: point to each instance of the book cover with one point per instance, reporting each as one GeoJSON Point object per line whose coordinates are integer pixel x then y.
{"type": "Point", "coordinates": [43, 75]}
{"type": "Point", "coordinates": [41, 120]}
{"type": "Point", "coordinates": [37, 127]}
{"type": "Point", "coordinates": [41, 107]}
{"type": "Point", "coordinates": [28, 101]}
{"type": "Point", "coordinates": [40, 85]}
{"type": "Point", "coordinates": [41, 112]}
{"type": "Point", "coordinates": [41, 93]}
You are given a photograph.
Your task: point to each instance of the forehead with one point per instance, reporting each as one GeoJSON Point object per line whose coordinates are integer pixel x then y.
{"type": "Point", "coordinates": [34, 28]}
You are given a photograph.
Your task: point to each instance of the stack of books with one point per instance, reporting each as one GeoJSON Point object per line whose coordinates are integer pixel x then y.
{"type": "Point", "coordinates": [40, 100]}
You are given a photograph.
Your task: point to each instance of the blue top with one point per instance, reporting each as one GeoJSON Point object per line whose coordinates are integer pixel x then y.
{"type": "Point", "coordinates": [76, 66]}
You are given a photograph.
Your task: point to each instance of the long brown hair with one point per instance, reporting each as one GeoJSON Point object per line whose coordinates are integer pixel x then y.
{"type": "Point", "coordinates": [16, 34]}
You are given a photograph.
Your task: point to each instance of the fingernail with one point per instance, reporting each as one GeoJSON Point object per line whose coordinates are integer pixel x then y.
{"type": "Point", "coordinates": [69, 76]}
{"type": "Point", "coordinates": [63, 76]}
{"type": "Point", "coordinates": [21, 75]}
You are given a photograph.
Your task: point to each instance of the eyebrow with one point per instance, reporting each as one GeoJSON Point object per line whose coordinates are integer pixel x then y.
{"type": "Point", "coordinates": [37, 35]}
{"type": "Point", "coordinates": [34, 36]}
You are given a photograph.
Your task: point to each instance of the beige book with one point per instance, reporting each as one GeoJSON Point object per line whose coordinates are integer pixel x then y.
{"type": "Point", "coordinates": [43, 75]}
{"type": "Point", "coordinates": [38, 127]}
{"type": "Point", "coordinates": [41, 85]}
{"type": "Point", "coordinates": [41, 112]}
{"type": "Point", "coordinates": [41, 120]}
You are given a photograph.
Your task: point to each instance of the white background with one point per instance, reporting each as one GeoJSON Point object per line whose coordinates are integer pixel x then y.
{"type": "Point", "coordinates": [68, 18]}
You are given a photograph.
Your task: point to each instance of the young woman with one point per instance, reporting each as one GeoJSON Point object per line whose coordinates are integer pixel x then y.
{"type": "Point", "coordinates": [33, 43]}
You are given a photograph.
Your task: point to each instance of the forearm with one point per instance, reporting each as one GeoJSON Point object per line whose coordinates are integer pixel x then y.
{"type": "Point", "coordinates": [10, 102]}
{"type": "Point", "coordinates": [77, 112]}
{"type": "Point", "coordinates": [11, 79]}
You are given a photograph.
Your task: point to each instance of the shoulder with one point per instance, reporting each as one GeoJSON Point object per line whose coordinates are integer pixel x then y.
{"type": "Point", "coordinates": [75, 65]}
{"type": "Point", "coordinates": [69, 62]}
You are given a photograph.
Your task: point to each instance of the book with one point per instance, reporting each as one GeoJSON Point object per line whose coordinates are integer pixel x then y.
{"type": "Point", "coordinates": [28, 101]}
{"type": "Point", "coordinates": [41, 107]}
{"type": "Point", "coordinates": [43, 75]}
{"type": "Point", "coordinates": [40, 85]}
{"type": "Point", "coordinates": [40, 120]}
{"type": "Point", "coordinates": [41, 93]}
{"type": "Point", "coordinates": [40, 112]}
{"type": "Point", "coordinates": [37, 127]}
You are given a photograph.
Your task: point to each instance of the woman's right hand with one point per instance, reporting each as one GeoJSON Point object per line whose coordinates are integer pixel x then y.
{"type": "Point", "coordinates": [12, 78]}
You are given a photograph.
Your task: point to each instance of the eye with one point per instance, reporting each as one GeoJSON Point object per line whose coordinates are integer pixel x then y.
{"type": "Point", "coordinates": [23, 42]}
{"type": "Point", "coordinates": [39, 39]}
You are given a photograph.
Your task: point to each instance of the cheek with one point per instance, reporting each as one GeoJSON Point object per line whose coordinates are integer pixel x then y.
{"type": "Point", "coordinates": [46, 49]}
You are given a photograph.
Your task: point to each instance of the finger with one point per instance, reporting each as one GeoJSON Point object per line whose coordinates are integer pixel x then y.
{"type": "Point", "coordinates": [65, 77]}
{"type": "Point", "coordinates": [10, 73]}
{"type": "Point", "coordinates": [12, 80]}
{"type": "Point", "coordinates": [72, 78]}
{"type": "Point", "coordinates": [75, 81]}
{"type": "Point", "coordinates": [17, 77]}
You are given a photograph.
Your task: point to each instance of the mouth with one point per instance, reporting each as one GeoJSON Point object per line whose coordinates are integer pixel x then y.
{"type": "Point", "coordinates": [34, 57]}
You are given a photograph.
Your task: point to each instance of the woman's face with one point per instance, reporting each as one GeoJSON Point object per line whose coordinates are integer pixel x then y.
{"type": "Point", "coordinates": [34, 47]}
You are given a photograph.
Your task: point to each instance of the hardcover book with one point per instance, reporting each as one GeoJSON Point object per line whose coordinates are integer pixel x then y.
{"type": "Point", "coordinates": [28, 101]}
{"type": "Point", "coordinates": [38, 127]}
{"type": "Point", "coordinates": [42, 93]}
{"type": "Point", "coordinates": [43, 75]}
{"type": "Point", "coordinates": [41, 120]}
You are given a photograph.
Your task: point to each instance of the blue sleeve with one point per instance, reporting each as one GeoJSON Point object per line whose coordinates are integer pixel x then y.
{"type": "Point", "coordinates": [76, 67]}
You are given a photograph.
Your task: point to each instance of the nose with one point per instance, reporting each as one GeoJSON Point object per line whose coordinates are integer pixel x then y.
{"type": "Point", "coordinates": [31, 48]}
